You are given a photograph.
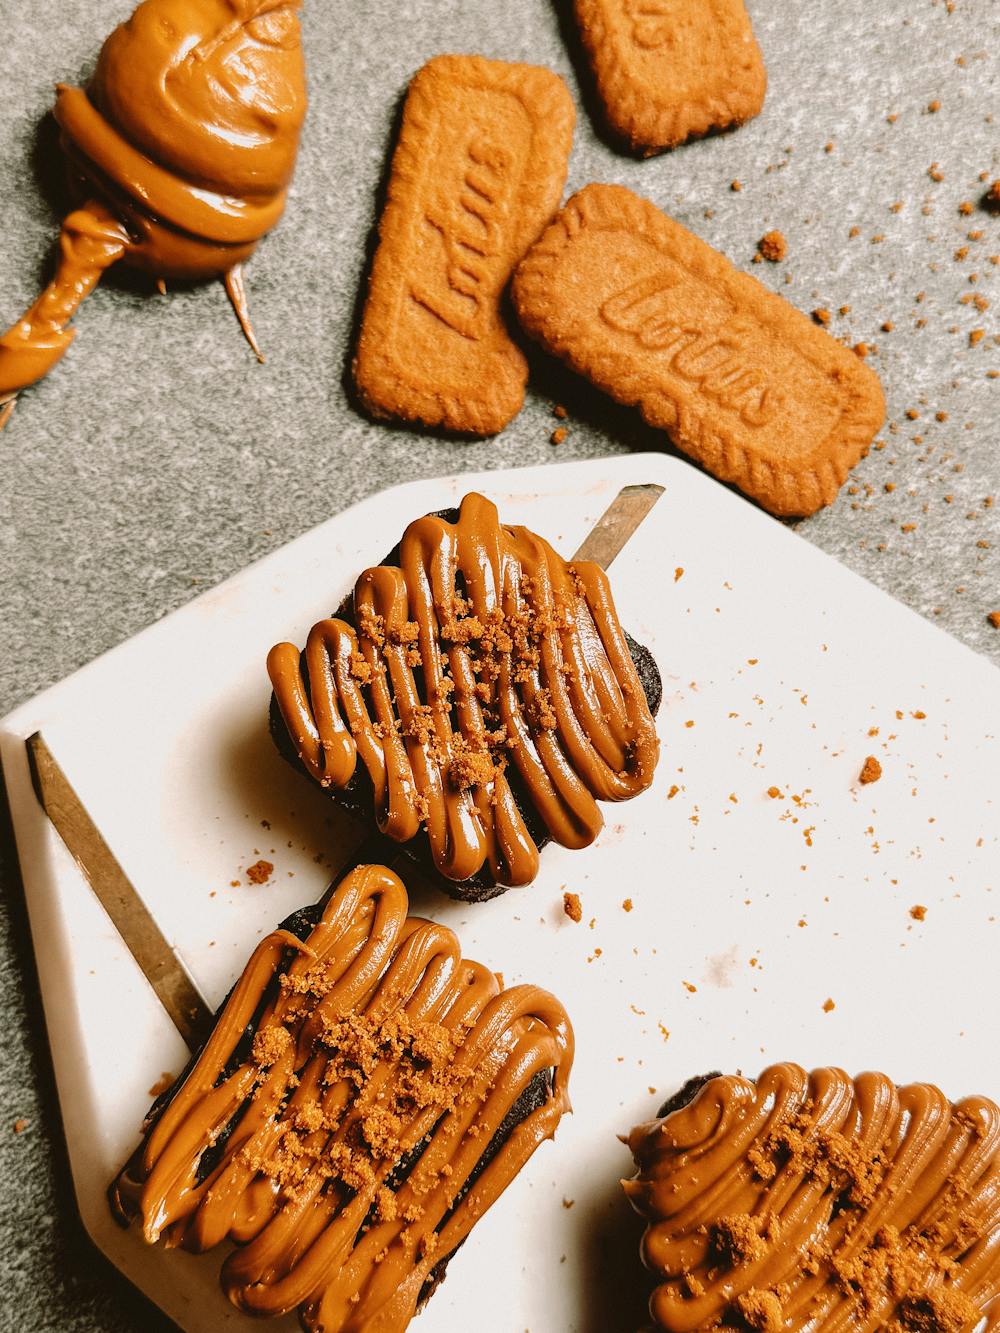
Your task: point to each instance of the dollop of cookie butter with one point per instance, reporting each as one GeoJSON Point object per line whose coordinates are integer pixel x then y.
{"type": "Point", "coordinates": [180, 152]}
{"type": "Point", "coordinates": [820, 1202]}
{"type": "Point", "coordinates": [366, 1096]}
{"type": "Point", "coordinates": [486, 684]}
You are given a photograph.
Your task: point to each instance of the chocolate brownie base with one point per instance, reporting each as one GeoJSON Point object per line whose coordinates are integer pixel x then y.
{"type": "Point", "coordinates": [357, 796]}
{"type": "Point", "coordinates": [300, 924]}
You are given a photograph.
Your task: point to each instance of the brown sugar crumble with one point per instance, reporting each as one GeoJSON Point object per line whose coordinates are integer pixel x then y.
{"type": "Point", "coordinates": [573, 907]}
{"type": "Point", "coordinates": [871, 771]}
{"type": "Point", "coordinates": [773, 247]}
{"type": "Point", "coordinates": [260, 872]}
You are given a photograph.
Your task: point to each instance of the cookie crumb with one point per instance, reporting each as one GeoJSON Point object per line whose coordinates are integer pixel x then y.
{"type": "Point", "coordinates": [994, 618]}
{"type": "Point", "coordinates": [871, 771]}
{"type": "Point", "coordinates": [21, 1125]}
{"type": "Point", "coordinates": [821, 315]}
{"type": "Point", "coordinates": [559, 411]}
{"type": "Point", "coordinates": [934, 106]}
{"type": "Point", "coordinates": [735, 186]}
{"type": "Point", "coordinates": [572, 906]}
{"type": "Point", "coordinates": [161, 1085]}
{"type": "Point", "coordinates": [559, 435]}
{"type": "Point", "coordinates": [260, 872]}
{"type": "Point", "coordinates": [627, 905]}
{"type": "Point", "coordinates": [918, 912]}
{"type": "Point", "coordinates": [828, 1006]}
{"type": "Point", "coordinates": [773, 247]}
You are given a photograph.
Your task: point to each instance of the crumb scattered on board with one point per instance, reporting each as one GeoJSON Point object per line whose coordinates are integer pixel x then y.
{"type": "Point", "coordinates": [572, 906]}
{"type": "Point", "coordinates": [260, 872]}
{"type": "Point", "coordinates": [871, 771]}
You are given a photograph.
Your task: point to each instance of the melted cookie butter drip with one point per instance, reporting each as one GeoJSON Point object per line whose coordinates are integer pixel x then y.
{"type": "Point", "coordinates": [91, 240]}
{"type": "Point", "coordinates": [820, 1202]}
{"type": "Point", "coordinates": [481, 665]}
{"type": "Point", "coordinates": [187, 134]}
{"type": "Point", "coordinates": [347, 1139]}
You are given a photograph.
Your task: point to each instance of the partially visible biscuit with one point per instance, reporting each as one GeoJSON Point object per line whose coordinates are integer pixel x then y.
{"type": "Point", "coordinates": [477, 173]}
{"type": "Point", "coordinates": [742, 381]}
{"type": "Point", "coordinates": [670, 70]}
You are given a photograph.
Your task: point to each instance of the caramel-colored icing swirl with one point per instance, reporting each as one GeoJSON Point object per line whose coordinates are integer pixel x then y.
{"type": "Point", "coordinates": [482, 669]}
{"type": "Point", "coordinates": [186, 137]}
{"type": "Point", "coordinates": [821, 1202]}
{"type": "Point", "coordinates": [352, 1138]}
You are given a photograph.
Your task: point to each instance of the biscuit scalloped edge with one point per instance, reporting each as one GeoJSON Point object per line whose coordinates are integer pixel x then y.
{"type": "Point", "coordinates": [650, 127]}
{"type": "Point", "coordinates": [787, 491]}
{"type": "Point", "coordinates": [499, 397]}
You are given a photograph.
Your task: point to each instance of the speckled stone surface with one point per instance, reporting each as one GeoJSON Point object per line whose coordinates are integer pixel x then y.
{"type": "Point", "coordinates": [159, 458]}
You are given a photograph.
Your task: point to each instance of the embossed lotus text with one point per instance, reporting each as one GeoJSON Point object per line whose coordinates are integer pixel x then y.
{"type": "Point", "coordinates": [653, 21]}
{"type": "Point", "coordinates": [471, 230]}
{"type": "Point", "coordinates": [716, 360]}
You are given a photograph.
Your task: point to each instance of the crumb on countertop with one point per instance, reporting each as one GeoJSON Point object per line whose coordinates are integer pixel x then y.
{"type": "Point", "coordinates": [572, 906]}
{"type": "Point", "coordinates": [773, 247]}
{"type": "Point", "coordinates": [871, 770]}
{"type": "Point", "coordinates": [260, 872]}
{"type": "Point", "coordinates": [918, 912]}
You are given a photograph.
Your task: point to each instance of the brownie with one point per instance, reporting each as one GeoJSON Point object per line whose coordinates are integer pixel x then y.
{"type": "Point", "coordinates": [357, 794]}
{"type": "Point", "coordinates": [817, 1200]}
{"type": "Point", "coordinates": [376, 1030]}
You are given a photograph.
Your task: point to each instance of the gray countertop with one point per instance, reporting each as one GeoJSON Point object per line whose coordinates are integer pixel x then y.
{"type": "Point", "coordinates": [159, 458]}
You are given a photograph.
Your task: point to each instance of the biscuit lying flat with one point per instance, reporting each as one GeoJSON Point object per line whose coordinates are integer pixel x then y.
{"type": "Point", "coordinates": [670, 70]}
{"type": "Point", "coordinates": [366, 1095]}
{"type": "Point", "coordinates": [820, 1202]}
{"type": "Point", "coordinates": [742, 381]}
{"type": "Point", "coordinates": [478, 172]}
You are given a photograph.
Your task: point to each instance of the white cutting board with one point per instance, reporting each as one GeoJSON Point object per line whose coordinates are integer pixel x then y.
{"type": "Point", "coordinates": [749, 911]}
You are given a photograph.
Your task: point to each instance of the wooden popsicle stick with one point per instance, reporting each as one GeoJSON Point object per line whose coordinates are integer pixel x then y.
{"type": "Point", "coordinates": [130, 916]}
{"type": "Point", "coordinates": [607, 538]}
{"type": "Point", "coordinates": [116, 893]}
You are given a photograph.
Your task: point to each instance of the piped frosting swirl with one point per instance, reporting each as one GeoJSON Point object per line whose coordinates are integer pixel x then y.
{"type": "Point", "coordinates": [818, 1202]}
{"type": "Point", "coordinates": [366, 1095]}
{"type": "Point", "coordinates": [484, 682]}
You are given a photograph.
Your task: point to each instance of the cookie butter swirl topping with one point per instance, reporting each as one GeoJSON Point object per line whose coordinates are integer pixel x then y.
{"type": "Point", "coordinates": [821, 1202]}
{"type": "Point", "coordinates": [349, 1141]}
{"type": "Point", "coordinates": [482, 676]}
{"type": "Point", "coordinates": [181, 150]}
